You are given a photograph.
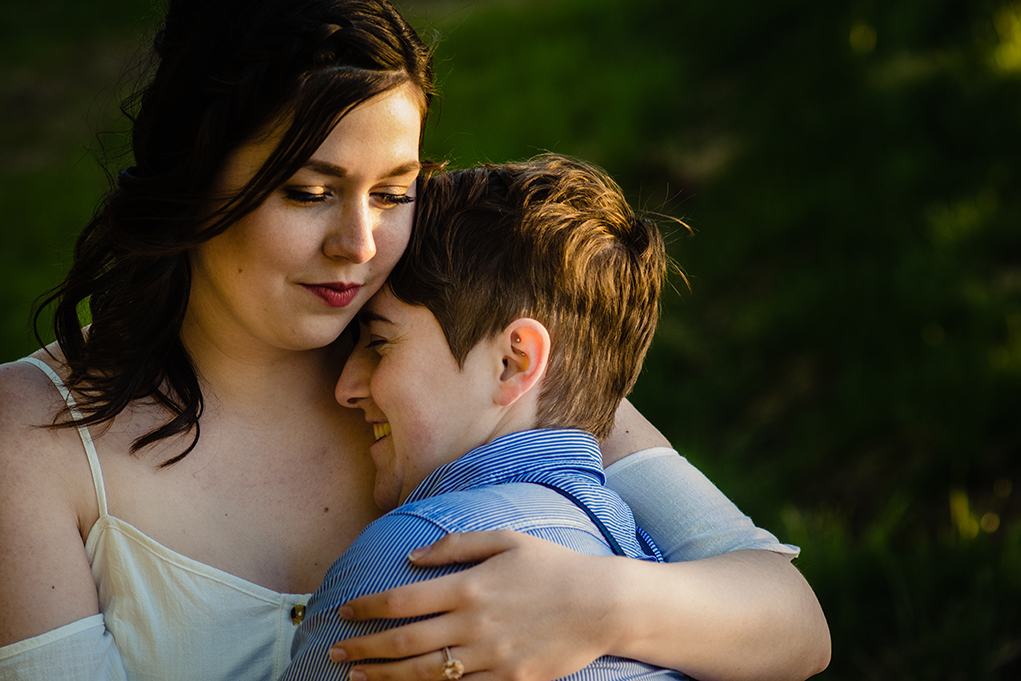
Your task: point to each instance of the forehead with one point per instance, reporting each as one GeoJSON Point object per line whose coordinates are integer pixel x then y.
{"type": "Point", "coordinates": [382, 308]}
{"type": "Point", "coordinates": [379, 136]}
{"type": "Point", "coordinates": [242, 164]}
{"type": "Point", "coordinates": [386, 311]}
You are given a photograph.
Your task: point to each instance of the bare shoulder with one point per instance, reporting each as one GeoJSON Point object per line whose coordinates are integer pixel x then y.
{"type": "Point", "coordinates": [45, 502]}
{"type": "Point", "coordinates": [28, 399]}
{"type": "Point", "coordinates": [632, 432]}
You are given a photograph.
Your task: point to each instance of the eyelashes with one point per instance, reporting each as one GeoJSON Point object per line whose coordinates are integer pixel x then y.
{"type": "Point", "coordinates": [396, 199]}
{"type": "Point", "coordinates": [301, 196]}
{"type": "Point", "coordinates": [312, 197]}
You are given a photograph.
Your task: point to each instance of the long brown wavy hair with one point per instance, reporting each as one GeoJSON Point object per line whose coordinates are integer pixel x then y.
{"type": "Point", "coordinates": [225, 70]}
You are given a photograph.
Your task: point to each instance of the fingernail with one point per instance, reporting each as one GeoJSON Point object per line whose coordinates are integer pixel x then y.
{"type": "Point", "coordinates": [346, 612]}
{"type": "Point", "coordinates": [356, 675]}
{"type": "Point", "coordinates": [419, 552]}
{"type": "Point", "coordinates": [338, 654]}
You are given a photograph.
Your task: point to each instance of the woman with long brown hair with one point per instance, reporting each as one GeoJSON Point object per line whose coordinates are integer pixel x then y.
{"type": "Point", "coordinates": [275, 157]}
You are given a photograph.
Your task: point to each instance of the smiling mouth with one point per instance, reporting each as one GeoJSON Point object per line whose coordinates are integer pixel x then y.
{"type": "Point", "coordinates": [380, 430]}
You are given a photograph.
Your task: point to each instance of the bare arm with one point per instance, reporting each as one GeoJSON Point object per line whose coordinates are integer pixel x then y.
{"type": "Point", "coordinates": [47, 582]}
{"type": "Point", "coordinates": [744, 614]}
{"type": "Point", "coordinates": [741, 615]}
{"type": "Point", "coordinates": [632, 432]}
{"type": "Point", "coordinates": [762, 609]}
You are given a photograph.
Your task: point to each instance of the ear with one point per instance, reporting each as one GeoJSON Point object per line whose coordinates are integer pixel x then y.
{"type": "Point", "coordinates": [525, 345]}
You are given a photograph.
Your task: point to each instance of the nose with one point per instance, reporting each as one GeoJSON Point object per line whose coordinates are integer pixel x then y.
{"type": "Point", "coordinates": [351, 238]}
{"type": "Point", "coordinates": [353, 386]}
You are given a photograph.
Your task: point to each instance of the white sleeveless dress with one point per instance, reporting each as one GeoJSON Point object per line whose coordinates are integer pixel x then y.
{"type": "Point", "coordinates": [164, 616]}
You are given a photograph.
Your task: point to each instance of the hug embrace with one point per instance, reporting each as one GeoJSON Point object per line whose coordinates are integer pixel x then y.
{"type": "Point", "coordinates": [295, 324]}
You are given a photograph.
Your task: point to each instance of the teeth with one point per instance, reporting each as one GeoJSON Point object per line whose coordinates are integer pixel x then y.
{"type": "Point", "coordinates": [380, 430]}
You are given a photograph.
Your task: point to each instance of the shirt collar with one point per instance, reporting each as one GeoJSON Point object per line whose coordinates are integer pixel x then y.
{"type": "Point", "coordinates": [525, 456]}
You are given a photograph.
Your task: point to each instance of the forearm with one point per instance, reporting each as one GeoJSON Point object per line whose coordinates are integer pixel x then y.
{"type": "Point", "coordinates": [741, 615]}
{"type": "Point", "coordinates": [731, 606]}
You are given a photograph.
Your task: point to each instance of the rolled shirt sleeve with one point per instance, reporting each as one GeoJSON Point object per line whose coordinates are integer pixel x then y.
{"type": "Point", "coordinates": [687, 516]}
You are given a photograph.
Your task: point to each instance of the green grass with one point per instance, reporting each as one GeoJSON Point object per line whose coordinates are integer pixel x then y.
{"type": "Point", "coordinates": [847, 365]}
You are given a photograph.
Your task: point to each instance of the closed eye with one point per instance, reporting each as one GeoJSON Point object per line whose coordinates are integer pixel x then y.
{"type": "Point", "coordinates": [395, 199]}
{"type": "Point", "coordinates": [305, 196]}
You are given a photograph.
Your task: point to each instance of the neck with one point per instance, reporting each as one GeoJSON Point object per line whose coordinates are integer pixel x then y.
{"type": "Point", "coordinates": [521, 415]}
{"type": "Point", "coordinates": [260, 382]}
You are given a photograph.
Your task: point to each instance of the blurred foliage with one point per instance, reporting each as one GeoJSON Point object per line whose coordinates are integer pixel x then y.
{"type": "Point", "coordinates": [63, 66]}
{"type": "Point", "coordinates": [847, 363]}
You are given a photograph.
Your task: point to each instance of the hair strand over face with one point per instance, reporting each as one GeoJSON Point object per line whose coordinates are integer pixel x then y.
{"type": "Point", "coordinates": [227, 71]}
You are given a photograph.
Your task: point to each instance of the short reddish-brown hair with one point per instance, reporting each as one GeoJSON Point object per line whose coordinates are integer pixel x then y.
{"type": "Point", "coordinates": [554, 239]}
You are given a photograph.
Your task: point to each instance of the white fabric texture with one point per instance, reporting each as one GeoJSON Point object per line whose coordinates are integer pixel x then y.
{"type": "Point", "coordinates": [687, 516]}
{"type": "Point", "coordinates": [166, 616]}
{"type": "Point", "coordinates": [170, 617]}
{"type": "Point", "coordinates": [80, 651]}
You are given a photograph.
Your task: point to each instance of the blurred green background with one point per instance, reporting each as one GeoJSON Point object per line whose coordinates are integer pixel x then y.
{"type": "Point", "coordinates": [847, 363]}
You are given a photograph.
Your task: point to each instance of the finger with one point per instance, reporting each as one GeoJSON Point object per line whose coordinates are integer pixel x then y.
{"type": "Point", "coordinates": [409, 640]}
{"type": "Point", "coordinates": [465, 547]}
{"type": "Point", "coordinates": [429, 667]}
{"type": "Point", "coordinates": [410, 600]}
{"type": "Point", "coordinates": [442, 593]}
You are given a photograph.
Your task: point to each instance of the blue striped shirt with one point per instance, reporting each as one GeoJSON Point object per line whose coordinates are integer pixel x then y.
{"type": "Point", "coordinates": [486, 489]}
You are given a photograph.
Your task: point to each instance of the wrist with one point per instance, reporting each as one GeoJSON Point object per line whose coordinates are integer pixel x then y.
{"type": "Point", "coordinates": [625, 593]}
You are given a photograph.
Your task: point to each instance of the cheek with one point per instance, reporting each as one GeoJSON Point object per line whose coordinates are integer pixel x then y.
{"type": "Point", "coordinates": [392, 239]}
{"type": "Point", "coordinates": [276, 239]}
{"type": "Point", "coordinates": [242, 250]}
{"type": "Point", "coordinates": [423, 437]}
{"type": "Point", "coordinates": [411, 389]}
{"type": "Point", "coordinates": [218, 263]}
{"type": "Point", "coordinates": [411, 423]}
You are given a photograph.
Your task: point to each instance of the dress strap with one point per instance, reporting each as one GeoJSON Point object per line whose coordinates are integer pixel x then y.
{"type": "Point", "coordinates": [83, 431]}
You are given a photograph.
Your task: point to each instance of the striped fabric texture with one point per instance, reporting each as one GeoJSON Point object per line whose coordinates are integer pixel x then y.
{"type": "Point", "coordinates": [486, 489]}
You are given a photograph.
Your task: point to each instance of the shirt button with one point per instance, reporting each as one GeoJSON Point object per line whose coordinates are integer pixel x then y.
{"type": "Point", "coordinates": [297, 614]}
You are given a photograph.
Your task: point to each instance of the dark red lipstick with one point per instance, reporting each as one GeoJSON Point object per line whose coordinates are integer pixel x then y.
{"type": "Point", "coordinates": [335, 294]}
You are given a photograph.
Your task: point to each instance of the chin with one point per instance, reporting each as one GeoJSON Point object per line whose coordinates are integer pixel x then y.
{"type": "Point", "coordinates": [316, 337]}
{"type": "Point", "coordinates": [386, 500]}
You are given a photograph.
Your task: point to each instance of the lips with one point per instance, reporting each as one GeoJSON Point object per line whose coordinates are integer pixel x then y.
{"type": "Point", "coordinates": [380, 430]}
{"type": "Point", "coordinates": [335, 294]}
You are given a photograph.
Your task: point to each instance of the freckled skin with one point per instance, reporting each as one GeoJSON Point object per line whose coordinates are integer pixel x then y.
{"type": "Point", "coordinates": [344, 218]}
{"type": "Point", "coordinates": [408, 378]}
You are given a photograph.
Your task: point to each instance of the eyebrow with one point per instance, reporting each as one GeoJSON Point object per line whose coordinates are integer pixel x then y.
{"type": "Point", "coordinates": [366, 316]}
{"type": "Point", "coordinates": [334, 170]}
